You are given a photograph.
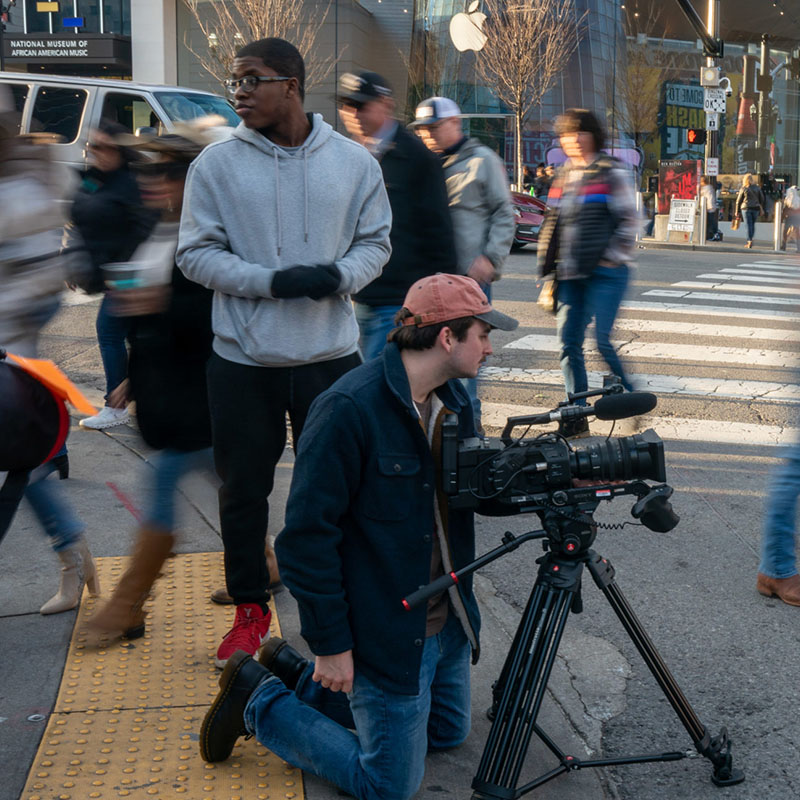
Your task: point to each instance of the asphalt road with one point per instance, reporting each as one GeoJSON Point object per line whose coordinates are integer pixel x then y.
{"type": "Point", "coordinates": [728, 373]}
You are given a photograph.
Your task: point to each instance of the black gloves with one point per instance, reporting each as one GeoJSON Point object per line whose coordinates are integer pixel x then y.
{"type": "Point", "coordinates": [313, 282]}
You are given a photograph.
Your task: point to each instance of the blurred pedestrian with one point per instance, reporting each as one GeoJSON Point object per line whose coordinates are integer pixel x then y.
{"type": "Point", "coordinates": [749, 205]}
{"type": "Point", "coordinates": [283, 220]}
{"type": "Point", "coordinates": [777, 572]}
{"type": "Point", "coordinates": [33, 191]}
{"type": "Point", "coordinates": [791, 210]}
{"type": "Point", "coordinates": [587, 241]}
{"type": "Point", "coordinates": [422, 231]}
{"type": "Point", "coordinates": [108, 219]}
{"type": "Point", "coordinates": [169, 319]}
{"type": "Point", "coordinates": [480, 202]}
{"type": "Point", "coordinates": [707, 190]}
{"type": "Point", "coordinates": [528, 179]}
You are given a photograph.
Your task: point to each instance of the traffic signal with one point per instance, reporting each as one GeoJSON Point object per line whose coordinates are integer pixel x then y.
{"type": "Point", "coordinates": [696, 136]}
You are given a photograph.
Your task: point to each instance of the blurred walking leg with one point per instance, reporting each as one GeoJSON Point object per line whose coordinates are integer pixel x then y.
{"type": "Point", "coordinates": [606, 291]}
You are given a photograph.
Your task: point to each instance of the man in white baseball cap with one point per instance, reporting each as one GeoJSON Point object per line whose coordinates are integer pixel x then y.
{"type": "Point", "coordinates": [480, 202]}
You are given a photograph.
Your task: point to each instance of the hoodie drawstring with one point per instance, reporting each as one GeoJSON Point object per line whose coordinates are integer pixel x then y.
{"type": "Point", "coordinates": [305, 194]}
{"type": "Point", "coordinates": [278, 197]}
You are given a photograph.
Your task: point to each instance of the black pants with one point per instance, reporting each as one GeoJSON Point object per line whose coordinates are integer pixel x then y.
{"type": "Point", "coordinates": [248, 427]}
{"type": "Point", "coordinates": [11, 492]}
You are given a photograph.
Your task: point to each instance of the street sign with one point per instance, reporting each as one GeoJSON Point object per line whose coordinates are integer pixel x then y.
{"type": "Point", "coordinates": [712, 122]}
{"type": "Point", "coordinates": [712, 166]}
{"type": "Point", "coordinates": [714, 101]}
{"type": "Point", "coordinates": [681, 215]}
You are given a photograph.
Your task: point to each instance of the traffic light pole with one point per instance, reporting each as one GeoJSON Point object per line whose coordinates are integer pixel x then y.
{"type": "Point", "coordinates": [764, 86]}
{"type": "Point", "coordinates": [712, 140]}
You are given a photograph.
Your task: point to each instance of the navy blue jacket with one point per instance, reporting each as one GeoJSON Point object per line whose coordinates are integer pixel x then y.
{"type": "Point", "coordinates": [360, 522]}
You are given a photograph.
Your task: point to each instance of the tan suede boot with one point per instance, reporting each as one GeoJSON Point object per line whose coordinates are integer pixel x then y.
{"type": "Point", "coordinates": [787, 589]}
{"type": "Point", "coordinates": [77, 568]}
{"type": "Point", "coordinates": [123, 615]}
{"type": "Point", "coordinates": [221, 596]}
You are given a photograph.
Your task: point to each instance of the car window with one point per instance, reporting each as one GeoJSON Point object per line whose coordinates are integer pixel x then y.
{"type": "Point", "coordinates": [131, 111]}
{"type": "Point", "coordinates": [190, 105]}
{"type": "Point", "coordinates": [19, 94]}
{"type": "Point", "coordinates": [59, 111]}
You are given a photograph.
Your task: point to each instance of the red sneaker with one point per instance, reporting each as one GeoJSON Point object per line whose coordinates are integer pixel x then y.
{"type": "Point", "coordinates": [250, 630]}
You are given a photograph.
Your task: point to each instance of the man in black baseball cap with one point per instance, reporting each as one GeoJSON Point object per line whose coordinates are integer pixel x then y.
{"type": "Point", "coordinates": [422, 229]}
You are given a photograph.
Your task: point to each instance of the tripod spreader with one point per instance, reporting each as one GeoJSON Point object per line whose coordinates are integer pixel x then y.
{"type": "Point", "coordinates": [510, 543]}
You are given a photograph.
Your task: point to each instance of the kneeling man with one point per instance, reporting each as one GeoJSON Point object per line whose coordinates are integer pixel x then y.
{"type": "Point", "coordinates": [366, 525]}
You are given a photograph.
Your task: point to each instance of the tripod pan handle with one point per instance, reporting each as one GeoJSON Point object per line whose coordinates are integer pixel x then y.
{"type": "Point", "coordinates": [431, 590]}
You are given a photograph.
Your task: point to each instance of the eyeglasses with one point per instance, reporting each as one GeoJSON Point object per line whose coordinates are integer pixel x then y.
{"type": "Point", "coordinates": [249, 83]}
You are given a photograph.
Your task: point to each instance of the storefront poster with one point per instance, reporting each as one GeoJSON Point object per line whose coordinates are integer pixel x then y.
{"type": "Point", "coordinates": [678, 179]}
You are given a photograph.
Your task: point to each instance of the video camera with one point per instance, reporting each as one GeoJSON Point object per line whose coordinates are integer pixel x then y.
{"type": "Point", "coordinates": [548, 476]}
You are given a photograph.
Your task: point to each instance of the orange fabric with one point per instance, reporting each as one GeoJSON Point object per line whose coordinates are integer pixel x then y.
{"type": "Point", "coordinates": [47, 373]}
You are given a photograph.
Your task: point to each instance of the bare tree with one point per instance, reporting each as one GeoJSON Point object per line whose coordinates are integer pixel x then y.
{"type": "Point", "coordinates": [528, 45]}
{"type": "Point", "coordinates": [227, 25]}
{"type": "Point", "coordinates": [434, 69]}
{"type": "Point", "coordinates": [639, 81]}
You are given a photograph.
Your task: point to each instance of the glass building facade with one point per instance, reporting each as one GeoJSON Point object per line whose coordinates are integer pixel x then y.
{"type": "Point", "coordinates": [638, 68]}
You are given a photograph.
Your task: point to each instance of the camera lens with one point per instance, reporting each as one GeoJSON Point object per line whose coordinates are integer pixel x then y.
{"type": "Point", "coordinates": [640, 456]}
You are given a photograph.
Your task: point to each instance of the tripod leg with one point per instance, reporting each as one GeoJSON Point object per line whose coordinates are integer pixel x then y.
{"type": "Point", "coordinates": [524, 678]}
{"type": "Point", "coordinates": [717, 749]}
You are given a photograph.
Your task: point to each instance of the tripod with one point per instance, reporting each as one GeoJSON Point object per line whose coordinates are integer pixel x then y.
{"type": "Point", "coordinates": [518, 693]}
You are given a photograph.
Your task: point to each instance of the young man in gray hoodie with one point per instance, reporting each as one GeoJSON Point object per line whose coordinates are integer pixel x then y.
{"type": "Point", "coordinates": [284, 221]}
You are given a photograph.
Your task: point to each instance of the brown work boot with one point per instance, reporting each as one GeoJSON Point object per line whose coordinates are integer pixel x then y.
{"type": "Point", "coordinates": [786, 589]}
{"type": "Point", "coordinates": [123, 615]}
{"type": "Point", "coordinates": [221, 596]}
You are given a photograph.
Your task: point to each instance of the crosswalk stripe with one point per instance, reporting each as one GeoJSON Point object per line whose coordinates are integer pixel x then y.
{"type": "Point", "coordinates": [679, 429]}
{"type": "Point", "coordinates": [791, 264]}
{"type": "Point", "coordinates": [707, 311]}
{"type": "Point", "coordinates": [704, 329]}
{"type": "Point", "coordinates": [716, 276]}
{"type": "Point", "coordinates": [757, 274]}
{"type": "Point", "coordinates": [734, 287]}
{"type": "Point", "coordinates": [671, 352]}
{"type": "Point", "coordinates": [660, 384]}
{"type": "Point", "coordinates": [753, 298]}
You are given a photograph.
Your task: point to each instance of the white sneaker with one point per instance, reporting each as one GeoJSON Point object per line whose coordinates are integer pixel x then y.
{"type": "Point", "coordinates": [107, 418]}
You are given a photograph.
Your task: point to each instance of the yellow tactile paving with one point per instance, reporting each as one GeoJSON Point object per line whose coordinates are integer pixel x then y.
{"type": "Point", "coordinates": [127, 717]}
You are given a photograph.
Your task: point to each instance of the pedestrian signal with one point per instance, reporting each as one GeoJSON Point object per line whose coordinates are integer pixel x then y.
{"type": "Point", "coordinates": [696, 136]}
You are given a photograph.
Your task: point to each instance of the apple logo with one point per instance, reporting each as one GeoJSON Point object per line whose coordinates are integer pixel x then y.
{"type": "Point", "coordinates": [466, 29]}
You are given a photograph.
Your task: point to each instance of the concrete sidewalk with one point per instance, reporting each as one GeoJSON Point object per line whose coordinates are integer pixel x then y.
{"type": "Point", "coordinates": [105, 486]}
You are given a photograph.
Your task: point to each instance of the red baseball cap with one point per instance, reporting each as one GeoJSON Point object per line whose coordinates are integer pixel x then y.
{"type": "Point", "coordinates": [443, 297]}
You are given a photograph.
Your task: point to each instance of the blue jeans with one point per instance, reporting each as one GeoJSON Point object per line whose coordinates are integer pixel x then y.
{"type": "Point", "coordinates": [778, 535]}
{"type": "Point", "coordinates": [111, 333]}
{"type": "Point", "coordinates": [170, 467]}
{"type": "Point", "coordinates": [385, 758]}
{"type": "Point", "coordinates": [750, 218]}
{"type": "Point", "coordinates": [52, 509]}
{"type": "Point", "coordinates": [471, 384]}
{"type": "Point", "coordinates": [578, 301]}
{"type": "Point", "coordinates": [374, 324]}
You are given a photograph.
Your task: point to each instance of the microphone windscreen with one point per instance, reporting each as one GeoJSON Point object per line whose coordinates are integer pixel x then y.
{"type": "Point", "coordinates": [627, 404]}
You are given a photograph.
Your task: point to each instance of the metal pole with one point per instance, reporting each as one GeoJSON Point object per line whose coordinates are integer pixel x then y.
{"type": "Point", "coordinates": [2, 42]}
{"type": "Point", "coordinates": [763, 105]}
{"type": "Point", "coordinates": [703, 222]}
{"type": "Point", "coordinates": [777, 237]}
{"type": "Point", "coordinates": [712, 139]}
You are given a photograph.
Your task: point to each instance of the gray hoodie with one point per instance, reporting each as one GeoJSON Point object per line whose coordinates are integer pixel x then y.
{"type": "Point", "coordinates": [252, 208]}
{"type": "Point", "coordinates": [480, 204]}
